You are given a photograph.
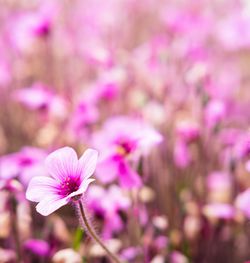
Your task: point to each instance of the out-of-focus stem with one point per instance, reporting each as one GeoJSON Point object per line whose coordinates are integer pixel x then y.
{"type": "Point", "coordinates": [15, 230]}
{"type": "Point", "coordinates": [93, 234]}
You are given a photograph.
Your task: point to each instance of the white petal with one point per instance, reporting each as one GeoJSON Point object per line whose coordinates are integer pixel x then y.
{"type": "Point", "coordinates": [39, 187]}
{"type": "Point", "coordinates": [61, 163]}
{"type": "Point", "coordinates": [50, 204]}
{"type": "Point", "coordinates": [88, 162]}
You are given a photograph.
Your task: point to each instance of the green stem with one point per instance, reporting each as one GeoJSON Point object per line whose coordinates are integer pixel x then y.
{"type": "Point", "coordinates": [93, 234]}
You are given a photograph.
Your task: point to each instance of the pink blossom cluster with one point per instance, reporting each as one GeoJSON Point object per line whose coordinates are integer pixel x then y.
{"type": "Point", "coordinates": [137, 109]}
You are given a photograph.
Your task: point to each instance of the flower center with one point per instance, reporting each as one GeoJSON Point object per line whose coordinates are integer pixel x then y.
{"type": "Point", "coordinates": [69, 185]}
{"type": "Point", "coordinates": [125, 147]}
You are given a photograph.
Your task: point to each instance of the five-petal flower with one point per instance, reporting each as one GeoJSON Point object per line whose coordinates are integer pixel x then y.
{"type": "Point", "coordinates": [69, 179]}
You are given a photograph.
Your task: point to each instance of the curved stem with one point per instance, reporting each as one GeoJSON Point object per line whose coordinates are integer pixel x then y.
{"type": "Point", "coordinates": [95, 236]}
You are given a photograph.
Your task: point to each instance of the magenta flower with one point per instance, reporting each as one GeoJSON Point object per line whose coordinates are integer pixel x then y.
{"type": "Point", "coordinates": [69, 179]}
{"type": "Point", "coordinates": [187, 130]}
{"type": "Point", "coordinates": [85, 115]}
{"type": "Point", "coordinates": [40, 97]}
{"type": "Point", "coordinates": [182, 154]}
{"type": "Point", "coordinates": [28, 27]}
{"type": "Point", "coordinates": [23, 164]}
{"type": "Point", "coordinates": [108, 203]}
{"type": "Point", "coordinates": [122, 141]}
{"type": "Point", "coordinates": [37, 247]}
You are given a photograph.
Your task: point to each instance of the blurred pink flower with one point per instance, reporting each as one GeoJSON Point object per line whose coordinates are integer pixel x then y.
{"type": "Point", "coordinates": [130, 253]}
{"type": "Point", "coordinates": [24, 164]}
{"type": "Point", "coordinates": [36, 97]}
{"type": "Point", "coordinates": [37, 246]}
{"type": "Point", "coordinates": [97, 55]}
{"type": "Point", "coordinates": [219, 210]}
{"type": "Point", "coordinates": [84, 115]}
{"type": "Point", "coordinates": [219, 181]}
{"type": "Point", "coordinates": [121, 141]}
{"type": "Point", "coordinates": [108, 84]}
{"type": "Point", "coordinates": [108, 203]}
{"type": "Point", "coordinates": [242, 202]}
{"type": "Point", "coordinates": [182, 155]}
{"type": "Point", "coordinates": [230, 30]}
{"type": "Point", "coordinates": [187, 22]}
{"type": "Point", "coordinates": [188, 130]}
{"type": "Point", "coordinates": [177, 257]}
{"type": "Point", "coordinates": [215, 112]}
{"type": "Point", "coordinates": [41, 97]}
{"type": "Point", "coordinates": [242, 146]}
{"type": "Point", "coordinates": [27, 27]}
{"type": "Point", "coordinates": [70, 179]}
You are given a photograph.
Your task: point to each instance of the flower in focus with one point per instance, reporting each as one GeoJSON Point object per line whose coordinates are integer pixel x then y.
{"type": "Point", "coordinates": [121, 141]}
{"type": "Point", "coordinates": [69, 179]}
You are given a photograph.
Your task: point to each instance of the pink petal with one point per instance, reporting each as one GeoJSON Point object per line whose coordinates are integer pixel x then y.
{"type": "Point", "coordinates": [83, 187]}
{"type": "Point", "coordinates": [182, 157]}
{"type": "Point", "coordinates": [39, 187]}
{"type": "Point", "coordinates": [107, 171]}
{"type": "Point", "coordinates": [61, 163]}
{"type": "Point", "coordinates": [88, 162]}
{"type": "Point", "coordinates": [127, 177]}
{"type": "Point", "coordinates": [50, 204]}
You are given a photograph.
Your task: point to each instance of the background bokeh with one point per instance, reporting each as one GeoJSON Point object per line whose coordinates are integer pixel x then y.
{"type": "Point", "coordinates": [161, 89]}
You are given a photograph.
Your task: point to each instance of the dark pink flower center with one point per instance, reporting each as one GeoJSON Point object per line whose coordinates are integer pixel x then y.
{"type": "Point", "coordinates": [125, 147]}
{"type": "Point", "coordinates": [25, 161]}
{"type": "Point", "coordinates": [69, 185]}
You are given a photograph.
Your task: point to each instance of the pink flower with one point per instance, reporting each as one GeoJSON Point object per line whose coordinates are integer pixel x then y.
{"type": "Point", "coordinates": [219, 181]}
{"type": "Point", "coordinates": [215, 112]}
{"type": "Point", "coordinates": [36, 97]}
{"type": "Point", "coordinates": [230, 30]}
{"type": "Point", "coordinates": [40, 97]}
{"type": "Point", "coordinates": [187, 130]}
{"type": "Point", "coordinates": [242, 146]}
{"type": "Point", "coordinates": [122, 141]}
{"type": "Point", "coordinates": [37, 246]}
{"type": "Point", "coordinates": [85, 115]}
{"type": "Point", "coordinates": [108, 203]}
{"type": "Point", "coordinates": [219, 210]}
{"type": "Point", "coordinates": [27, 27]}
{"type": "Point", "coordinates": [242, 202]}
{"type": "Point", "coordinates": [69, 179]}
{"type": "Point", "coordinates": [182, 155]}
{"type": "Point", "coordinates": [25, 164]}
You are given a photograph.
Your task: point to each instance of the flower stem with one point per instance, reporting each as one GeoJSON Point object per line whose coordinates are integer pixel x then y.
{"type": "Point", "coordinates": [93, 234]}
{"type": "Point", "coordinates": [15, 229]}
